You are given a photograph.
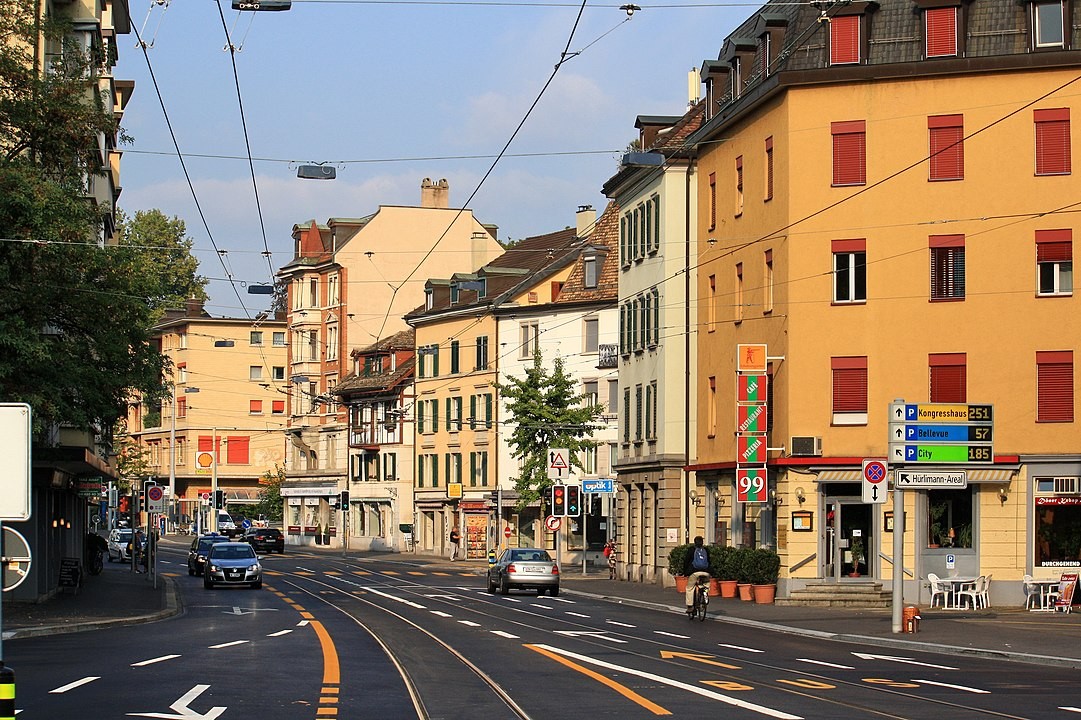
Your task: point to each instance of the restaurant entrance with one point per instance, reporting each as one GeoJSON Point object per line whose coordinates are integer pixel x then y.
{"type": "Point", "coordinates": [848, 537]}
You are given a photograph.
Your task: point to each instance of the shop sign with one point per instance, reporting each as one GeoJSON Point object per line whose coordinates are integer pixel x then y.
{"type": "Point", "coordinates": [1060, 501]}
{"type": "Point", "coordinates": [473, 506]}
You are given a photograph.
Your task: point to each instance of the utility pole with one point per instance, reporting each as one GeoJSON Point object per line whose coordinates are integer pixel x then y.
{"type": "Point", "coordinates": [214, 480]}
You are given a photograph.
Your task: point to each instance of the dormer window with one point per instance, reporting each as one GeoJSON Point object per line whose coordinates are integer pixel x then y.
{"type": "Point", "coordinates": [429, 299]}
{"type": "Point", "coordinates": [454, 293]}
{"type": "Point", "coordinates": [940, 25]}
{"type": "Point", "coordinates": [1048, 24]}
{"type": "Point", "coordinates": [590, 271]}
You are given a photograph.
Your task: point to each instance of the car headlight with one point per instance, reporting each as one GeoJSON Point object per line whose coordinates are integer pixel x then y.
{"type": "Point", "coordinates": [253, 568]}
{"type": "Point", "coordinates": [213, 568]}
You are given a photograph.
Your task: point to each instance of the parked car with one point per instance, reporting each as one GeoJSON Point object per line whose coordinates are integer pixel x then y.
{"type": "Point", "coordinates": [525, 569]}
{"type": "Point", "coordinates": [261, 521]}
{"type": "Point", "coordinates": [265, 539]}
{"type": "Point", "coordinates": [119, 539]}
{"type": "Point", "coordinates": [232, 563]}
{"type": "Point", "coordinates": [198, 551]}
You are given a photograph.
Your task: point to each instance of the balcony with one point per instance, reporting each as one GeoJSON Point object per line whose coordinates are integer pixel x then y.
{"type": "Point", "coordinates": [607, 356]}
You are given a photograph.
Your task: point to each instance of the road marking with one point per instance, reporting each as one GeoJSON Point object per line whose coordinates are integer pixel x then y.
{"type": "Point", "coordinates": [228, 644]}
{"type": "Point", "coordinates": [770, 712]}
{"type": "Point", "coordinates": [620, 624]}
{"type": "Point", "coordinates": [440, 613]}
{"type": "Point", "coordinates": [574, 614]}
{"type": "Point", "coordinates": [302, 623]}
{"type": "Point", "coordinates": [410, 603]}
{"type": "Point", "coordinates": [469, 623]}
{"type": "Point", "coordinates": [543, 607]}
{"type": "Point", "coordinates": [331, 670]}
{"type": "Point", "coordinates": [675, 635]}
{"type": "Point", "coordinates": [562, 600]}
{"type": "Point", "coordinates": [621, 689]}
{"type": "Point", "coordinates": [669, 654]}
{"type": "Point", "coordinates": [826, 664]}
{"type": "Point", "coordinates": [73, 685]}
{"type": "Point", "coordinates": [1069, 708]}
{"type": "Point", "coordinates": [954, 687]}
{"type": "Point", "coordinates": [740, 647]}
{"type": "Point", "coordinates": [163, 658]}
{"type": "Point", "coordinates": [907, 661]}
{"type": "Point", "coordinates": [280, 632]}
{"type": "Point", "coordinates": [599, 634]}
{"type": "Point", "coordinates": [183, 711]}
{"type": "Point", "coordinates": [503, 633]}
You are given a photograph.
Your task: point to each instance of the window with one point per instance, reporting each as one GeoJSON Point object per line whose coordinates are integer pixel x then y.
{"type": "Point", "coordinates": [529, 333]}
{"type": "Point", "coordinates": [1054, 262]}
{"type": "Point", "coordinates": [278, 339]}
{"type": "Point", "coordinates": [711, 410]}
{"type": "Point", "coordinates": [589, 272]}
{"type": "Point", "coordinates": [454, 413]}
{"type": "Point", "coordinates": [849, 152]}
{"type": "Point", "coordinates": [313, 293]}
{"type": "Point", "coordinates": [478, 469]}
{"type": "Point", "coordinates": [739, 186]}
{"type": "Point", "coordinates": [277, 407]}
{"type": "Point", "coordinates": [948, 375]}
{"type": "Point", "coordinates": [590, 332]}
{"type": "Point", "coordinates": [626, 415]}
{"type": "Point", "coordinates": [849, 390]}
{"type": "Point", "coordinates": [638, 413]}
{"type": "Point", "coordinates": [849, 271]}
{"type": "Point", "coordinates": [739, 293]}
{"type": "Point", "coordinates": [651, 411]}
{"type": "Point", "coordinates": [454, 364]}
{"type": "Point", "coordinates": [769, 168]}
{"type": "Point", "coordinates": [613, 397]}
{"type": "Point", "coordinates": [255, 372]}
{"type": "Point", "coordinates": [454, 467]}
{"type": "Point", "coordinates": [655, 237]}
{"type": "Point", "coordinates": [711, 304]}
{"type": "Point", "coordinates": [767, 303]}
{"type": "Point", "coordinates": [1054, 386]}
{"type": "Point", "coordinates": [255, 407]}
{"type": "Point", "coordinates": [940, 26]}
{"type": "Point", "coordinates": [256, 338]}
{"type": "Point", "coordinates": [482, 353]}
{"type": "Point", "coordinates": [1047, 24]}
{"type": "Point", "coordinates": [454, 293]}
{"type": "Point", "coordinates": [844, 39]}
{"type": "Point", "coordinates": [332, 342]}
{"type": "Point", "coordinates": [429, 301]}
{"type": "Point", "coordinates": [946, 137]}
{"type": "Point", "coordinates": [947, 267]}
{"type": "Point", "coordinates": [588, 458]}
{"type": "Point", "coordinates": [712, 201]}
{"type": "Point", "coordinates": [557, 287]}
{"type": "Point", "coordinates": [949, 518]}
{"type": "Point", "coordinates": [278, 373]}
{"type": "Point", "coordinates": [390, 467]}
{"type": "Point", "coordinates": [656, 325]}
{"type": "Point", "coordinates": [181, 407]}
{"type": "Point", "coordinates": [332, 289]}
{"type": "Point", "coordinates": [589, 393]}
{"type": "Point", "coordinates": [1052, 141]}
{"type": "Point", "coordinates": [624, 242]}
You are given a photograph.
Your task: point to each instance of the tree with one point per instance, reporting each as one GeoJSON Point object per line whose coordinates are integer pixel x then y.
{"type": "Point", "coordinates": [547, 411]}
{"type": "Point", "coordinates": [270, 493]}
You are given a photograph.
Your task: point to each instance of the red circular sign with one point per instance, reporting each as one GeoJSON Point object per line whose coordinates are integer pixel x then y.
{"type": "Point", "coordinates": [552, 522]}
{"type": "Point", "coordinates": [204, 496]}
{"type": "Point", "coordinates": [874, 472]}
{"type": "Point", "coordinates": [506, 531]}
{"type": "Point", "coordinates": [155, 493]}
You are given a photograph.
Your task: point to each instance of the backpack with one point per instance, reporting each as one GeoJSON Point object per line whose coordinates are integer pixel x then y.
{"type": "Point", "coordinates": [700, 561]}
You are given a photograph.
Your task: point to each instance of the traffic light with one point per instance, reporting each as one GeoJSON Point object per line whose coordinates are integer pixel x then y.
{"type": "Point", "coordinates": [344, 501]}
{"type": "Point", "coordinates": [124, 505]}
{"type": "Point", "coordinates": [574, 500]}
{"type": "Point", "coordinates": [219, 499]}
{"type": "Point", "coordinates": [559, 500]}
{"type": "Point", "coordinates": [595, 505]}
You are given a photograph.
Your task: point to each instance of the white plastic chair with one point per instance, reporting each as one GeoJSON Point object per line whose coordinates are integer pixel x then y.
{"type": "Point", "coordinates": [1033, 595]}
{"type": "Point", "coordinates": [939, 588]}
{"type": "Point", "coordinates": [973, 593]}
{"type": "Point", "coordinates": [985, 596]}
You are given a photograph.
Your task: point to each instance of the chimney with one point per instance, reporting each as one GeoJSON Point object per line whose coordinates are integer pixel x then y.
{"type": "Point", "coordinates": [193, 307]}
{"type": "Point", "coordinates": [586, 218]}
{"type": "Point", "coordinates": [434, 194]}
{"type": "Point", "coordinates": [694, 88]}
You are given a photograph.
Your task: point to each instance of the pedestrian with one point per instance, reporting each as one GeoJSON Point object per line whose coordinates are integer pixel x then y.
{"type": "Point", "coordinates": [455, 539]}
{"type": "Point", "coordinates": [610, 553]}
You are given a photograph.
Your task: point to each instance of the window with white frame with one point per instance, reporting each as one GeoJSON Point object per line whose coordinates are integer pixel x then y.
{"type": "Point", "coordinates": [529, 333]}
{"type": "Point", "coordinates": [1047, 24]}
{"type": "Point", "coordinates": [849, 271]}
{"type": "Point", "coordinates": [255, 338]}
{"type": "Point", "coordinates": [590, 333]}
{"type": "Point", "coordinates": [278, 339]}
{"type": "Point", "coordinates": [1054, 262]}
{"type": "Point", "coordinates": [255, 372]}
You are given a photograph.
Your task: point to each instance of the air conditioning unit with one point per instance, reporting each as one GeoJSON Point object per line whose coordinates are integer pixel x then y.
{"type": "Point", "coordinates": [805, 445]}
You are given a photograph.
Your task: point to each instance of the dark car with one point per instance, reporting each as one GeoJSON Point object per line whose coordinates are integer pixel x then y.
{"type": "Point", "coordinates": [265, 539]}
{"type": "Point", "coordinates": [232, 563]}
{"type": "Point", "coordinates": [526, 569]}
{"type": "Point", "coordinates": [197, 553]}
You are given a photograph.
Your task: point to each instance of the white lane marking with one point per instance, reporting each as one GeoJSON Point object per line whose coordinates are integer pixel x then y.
{"type": "Point", "coordinates": [440, 613]}
{"type": "Point", "coordinates": [502, 633]}
{"type": "Point", "coordinates": [542, 607]}
{"type": "Point", "coordinates": [302, 623]}
{"type": "Point", "coordinates": [781, 715]}
{"type": "Point", "coordinates": [675, 635]}
{"type": "Point", "coordinates": [907, 661]}
{"type": "Point", "coordinates": [225, 645]}
{"type": "Point", "coordinates": [280, 632]}
{"type": "Point", "coordinates": [562, 600]}
{"type": "Point", "coordinates": [510, 599]}
{"type": "Point", "coordinates": [827, 664]}
{"type": "Point", "coordinates": [410, 603]}
{"type": "Point", "coordinates": [163, 658]}
{"type": "Point", "coordinates": [621, 624]}
{"type": "Point", "coordinates": [469, 623]}
{"type": "Point", "coordinates": [1069, 708]}
{"type": "Point", "coordinates": [740, 647]}
{"type": "Point", "coordinates": [577, 614]}
{"type": "Point", "coordinates": [73, 685]}
{"type": "Point", "coordinates": [599, 634]}
{"type": "Point", "coordinates": [954, 687]}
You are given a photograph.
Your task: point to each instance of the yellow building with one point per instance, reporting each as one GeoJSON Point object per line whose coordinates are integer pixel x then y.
{"type": "Point", "coordinates": [890, 220]}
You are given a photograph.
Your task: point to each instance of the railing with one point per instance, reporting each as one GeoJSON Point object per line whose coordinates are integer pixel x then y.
{"type": "Point", "coordinates": [607, 356]}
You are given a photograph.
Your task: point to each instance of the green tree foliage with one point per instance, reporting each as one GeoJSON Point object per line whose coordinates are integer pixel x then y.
{"type": "Point", "coordinates": [547, 411]}
{"type": "Point", "coordinates": [270, 493]}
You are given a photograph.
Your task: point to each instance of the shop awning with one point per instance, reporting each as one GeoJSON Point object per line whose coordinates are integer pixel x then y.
{"type": "Point", "coordinates": [839, 476]}
{"type": "Point", "coordinates": [991, 475]}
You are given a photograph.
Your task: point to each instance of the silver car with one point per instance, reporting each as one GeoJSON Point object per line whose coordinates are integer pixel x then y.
{"type": "Point", "coordinates": [525, 569]}
{"type": "Point", "coordinates": [118, 545]}
{"type": "Point", "coordinates": [232, 563]}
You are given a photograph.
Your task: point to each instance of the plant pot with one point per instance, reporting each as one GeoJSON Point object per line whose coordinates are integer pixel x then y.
{"type": "Point", "coordinates": [714, 587]}
{"type": "Point", "coordinates": [326, 538]}
{"type": "Point", "coordinates": [318, 539]}
{"type": "Point", "coordinates": [745, 591]}
{"type": "Point", "coordinates": [764, 594]}
{"type": "Point", "coordinates": [728, 588]}
{"type": "Point", "coordinates": [681, 583]}
{"type": "Point", "coordinates": [853, 574]}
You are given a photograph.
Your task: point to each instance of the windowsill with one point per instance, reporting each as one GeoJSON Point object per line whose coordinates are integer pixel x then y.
{"type": "Point", "coordinates": [946, 300]}
{"type": "Point", "coordinates": [945, 179]}
{"type": "Point", "coordinates": [1055, 295]}
{"type": "Point", "coordinates": [1052, 174]}
{"type": "Point", "coordinates": [848, 419]}
{"type": "Point", "coordinates": [842, 303]}
{"type": "Point", "coordinates": [846, 185]}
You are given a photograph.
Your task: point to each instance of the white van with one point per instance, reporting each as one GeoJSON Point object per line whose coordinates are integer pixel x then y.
{"type": "Point", "coordinates": [226, 526]}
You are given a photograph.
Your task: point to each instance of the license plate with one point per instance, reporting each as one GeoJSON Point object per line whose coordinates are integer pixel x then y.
{"type": "Point", "coordinates": [534, 570]}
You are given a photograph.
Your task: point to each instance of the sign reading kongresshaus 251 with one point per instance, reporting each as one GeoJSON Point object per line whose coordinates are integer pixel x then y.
{"type": "Point", "coordinates": [941, 433]}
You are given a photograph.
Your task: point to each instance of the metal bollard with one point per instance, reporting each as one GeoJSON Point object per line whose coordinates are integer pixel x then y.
{"type": "Point", "coordinates": [7, 693]}
{"type": "Point", "coordinates": [910, 620]}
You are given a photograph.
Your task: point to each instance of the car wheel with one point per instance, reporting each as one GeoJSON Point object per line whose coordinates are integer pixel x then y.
{"type": "Point", "coordinates": [554, 592]}
{"type": "Point", "coordinates": [540, 592]}
{"type": "Point", "coordinates": [491, 585]}
{"type": "Point", "coordinates": [207, 584]}
{"type": "Point", "coordinates": [190, 571]}
{"type": "Point", "coordinates": [504, 586]}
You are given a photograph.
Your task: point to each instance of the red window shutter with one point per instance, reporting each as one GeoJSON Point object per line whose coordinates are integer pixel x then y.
{"type": "Point", "coordinates": [181, 407]}
{"type": "Point", "coordinates": [278, 407]}
{"type": "Point", "coordinates": [849, 384]}
{"type": "Point", "coordinates": [255, 407]}
{"type": "Point", "coordinates": [1054, 245]}
{"type": "Point", "coordinates": [1054, 386]}
{"type": "Point", "coordinates": [949, 377]}
{"type": "Point", "coordinates": [844, 39]}
{"type": "Point", "coordinates": [941, 28]}
{"type": "Point", "coordinates": [1052, 141]}
{"type": "Point", "coordinates": [849, 246]}
{"type": "Point", "coordinates": [947, 147]}
{"type": "Point", "coordinates": [206, 444]}
{"type": "Point", "coordinates": [849, 153]}
{"type": "Point", "coordinates": [237, 450]}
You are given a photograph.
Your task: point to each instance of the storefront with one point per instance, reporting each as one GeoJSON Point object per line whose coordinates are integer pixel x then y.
{"type": "Point", "coordinates": [1056, 519]}
{"type": "Point", "coordinates": [311, 515]}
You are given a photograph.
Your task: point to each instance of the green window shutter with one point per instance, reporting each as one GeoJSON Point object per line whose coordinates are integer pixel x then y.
{"type": "Point", "coordinates": [435, 470]}
{"type": "Point", "coordinates": [420, 471]}
{"type": "Point", "coordinates": [488, 410]}
{"type": "Point", "coordinates": [473, 469]}
{"type": "Point", "coordinates": [454, 357]}
{"type": "Point", "coordinates": [435, 361]}
{"type": "Point", "coordinates": [458, 467]}
{"type": "Point", "coordinates": [435, 415]}
{"type": "Point", "coordinates": [446, 467]}
{"type": "Point", "coordinates": [450, 404]}
{"type": "Point", "coordinates": [420, 417]}
{"type": "Point", "coordinates": [420, 363]}
{"type": "Point", "coordinates": [472, 412]}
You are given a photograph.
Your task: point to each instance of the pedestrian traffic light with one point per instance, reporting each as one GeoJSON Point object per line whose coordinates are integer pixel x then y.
{"type": "Point", "coordinates": [559, 500]}
{"type": "Point", "coordinates": [344, 500]}
{"type": "Point", "coordinates": [219, 499]}
{"type": "Point", "coordinates": [574, 500]}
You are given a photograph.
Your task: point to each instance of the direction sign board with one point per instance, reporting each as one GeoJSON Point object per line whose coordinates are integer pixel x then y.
{"type": "Point", "coordinates": [600, 485]}
{"type": "Point", "coordinates": [874, 481]}
{"type": "Point", "coordinates": [900, 432]}
{"type": "Point", "coordinates": [904, 453]}
{"type": "Point", "coordinates": [15, 448]}
{"type": "Point", "coordinates": [940, 433]}
{"type": "Point", "coordinates": [931, 479]}
{"type": "Point", "coordinates": [559, 463]}
{"type": "Point", "coordinates": [941, 413]}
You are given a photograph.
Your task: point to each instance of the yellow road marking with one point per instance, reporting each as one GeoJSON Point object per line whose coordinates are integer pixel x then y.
{"type": "Point", "coordinates": [391, 572]}
{"type": "Point", "coordinates": [327, 711]}
{"type": "Point", "coordinates": [414, 572]}
{"type": "Point", "coordinates": [331, 669]}
{"type": "Point", "coordinates": [307, 616]}
{"type": "Point", "coordinates": [361, 572]}
{"type": "Point", "coordinates": [621, 689]}
{"type": "Point", "coordinates": [669, 654]}
{"type": "Point", "coordinates": [441, 574]}
{"type": "Point", "coordinates": [333, 572]}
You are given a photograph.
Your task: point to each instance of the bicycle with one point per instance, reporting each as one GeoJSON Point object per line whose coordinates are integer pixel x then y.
{"type": "Point", "coordinates": [94, 561]}
{"type": "Point", "coordinates": [701, 599]}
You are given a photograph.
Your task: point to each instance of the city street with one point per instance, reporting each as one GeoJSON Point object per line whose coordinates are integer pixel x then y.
{"type": "Point", "coordinates": [372, 637]}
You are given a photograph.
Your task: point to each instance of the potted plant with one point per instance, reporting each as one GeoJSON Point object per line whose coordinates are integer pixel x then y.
{"type": "Point", "coordinates": [677, 561]}
{"type": "Point", "coordinates": [764, 566]}
{"type": "Point", "coordinates": [318, 534]}
{"type": "Point", "coordinates": [935, 512]}
{"type": "Point", "coordinates": [722, 565]}
{"type": "Point", "coordinates": [855, 546]}
{"type": "Point", "coordinates": [743, 572]}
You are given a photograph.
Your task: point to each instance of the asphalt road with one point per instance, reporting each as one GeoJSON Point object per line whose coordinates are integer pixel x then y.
{"type": "Point", "coordinates": [372, 638]}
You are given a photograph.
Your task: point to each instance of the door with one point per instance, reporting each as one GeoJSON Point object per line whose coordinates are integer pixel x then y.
{"type": "Point", "coordinates": [847, 539]}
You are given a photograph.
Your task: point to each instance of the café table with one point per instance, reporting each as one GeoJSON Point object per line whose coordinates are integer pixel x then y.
{"type": "Point", "coordinates": [957, 583]}
{"type": "Point", "coordinates": [1048, 593]}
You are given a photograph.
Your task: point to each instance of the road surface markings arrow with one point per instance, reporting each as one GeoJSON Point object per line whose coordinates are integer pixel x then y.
{"type": "Point", "coordinates": [237, 611]}
{"type": "Point", "coordinates": [183, 711]}
{"type": "Point", "coordinates": [669, 654]}
{"type": "Point", "coordinates": [954, 687]}
{"type": "Point", "coordinates": [907, 661]}
{"type": "Point", "coordinates": [599, 634]}
{"type": "Point", "coordinates": [163, 658]}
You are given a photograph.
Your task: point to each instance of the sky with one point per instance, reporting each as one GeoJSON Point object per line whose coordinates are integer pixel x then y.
{"type": "Point", "coordinates": [389, 92]}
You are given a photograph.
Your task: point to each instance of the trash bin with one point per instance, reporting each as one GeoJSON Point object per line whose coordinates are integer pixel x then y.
{"type": "Point", "coordinates": [910, 619]}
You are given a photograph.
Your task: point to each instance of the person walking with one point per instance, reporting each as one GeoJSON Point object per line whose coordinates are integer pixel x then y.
{"type": "Point", "coordinates": [455, 540]}
{"type": "Point", "coordinates": [610, 554]}
{"type": "Point", "coordinates": [696, 566]}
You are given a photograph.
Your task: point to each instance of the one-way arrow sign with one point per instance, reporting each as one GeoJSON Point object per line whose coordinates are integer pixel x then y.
{"type": "Point", "coordinates": [185, 712]}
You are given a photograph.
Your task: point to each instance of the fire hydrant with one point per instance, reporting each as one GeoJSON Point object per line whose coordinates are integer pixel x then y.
{"type": "Point", "coordinates": [910, 619]}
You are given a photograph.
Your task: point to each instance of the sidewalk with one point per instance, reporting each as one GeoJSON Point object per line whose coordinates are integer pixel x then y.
{"type": "Point", "coordinates": [119, 597]}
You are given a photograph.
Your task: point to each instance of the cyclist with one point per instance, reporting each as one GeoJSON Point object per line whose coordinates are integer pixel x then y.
{"type": "Point", "coordinates": [696, 568]}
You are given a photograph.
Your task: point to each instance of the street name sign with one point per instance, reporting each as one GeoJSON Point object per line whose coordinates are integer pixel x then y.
{"type": "Point", "coordinates": [957, 479]}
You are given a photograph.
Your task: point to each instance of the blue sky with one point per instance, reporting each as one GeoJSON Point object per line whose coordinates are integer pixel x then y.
{"type": "Point", "coordinates": [368, 86]}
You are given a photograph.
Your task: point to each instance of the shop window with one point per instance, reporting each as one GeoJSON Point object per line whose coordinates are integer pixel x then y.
{"type": "Point", "coordinates": [1057, 522]}
{"type": "Point", "coordinates": [949, 518]}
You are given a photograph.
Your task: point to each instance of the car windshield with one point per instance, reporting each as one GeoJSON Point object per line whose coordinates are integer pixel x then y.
{"type": "Point", "coordinates": [232, 553]}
